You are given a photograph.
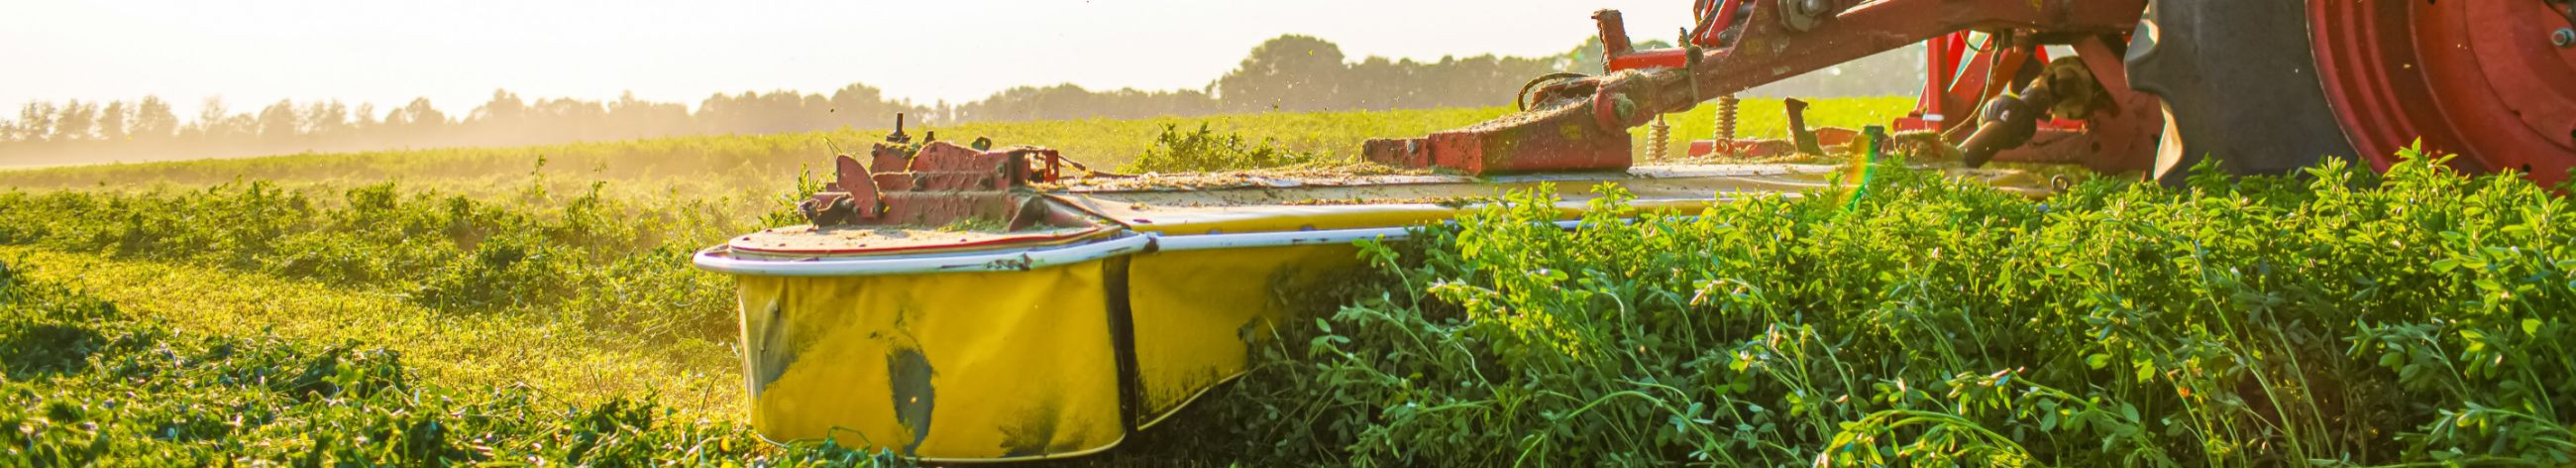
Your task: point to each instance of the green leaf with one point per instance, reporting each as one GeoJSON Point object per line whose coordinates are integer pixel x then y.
{"type": "Point", "coordinates": [2531, 327]}
{"type": "Point", "coordinates": [2445, 265]}
{"type": "Point", "coordinates": [2098, 360]}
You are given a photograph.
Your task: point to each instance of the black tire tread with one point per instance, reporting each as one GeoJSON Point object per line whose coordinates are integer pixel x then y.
{"type": "Point", "coordinates": [2241, 83]}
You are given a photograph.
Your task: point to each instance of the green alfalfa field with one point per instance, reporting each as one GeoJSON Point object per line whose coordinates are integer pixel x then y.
{"type": "Point", "coordinates": [535, 305]}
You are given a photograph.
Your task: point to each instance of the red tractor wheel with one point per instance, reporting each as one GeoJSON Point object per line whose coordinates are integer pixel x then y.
{"type": "Point", "coordinates": [2494, 81]}
{"type": "Point", "coordinates": [2271, 86]}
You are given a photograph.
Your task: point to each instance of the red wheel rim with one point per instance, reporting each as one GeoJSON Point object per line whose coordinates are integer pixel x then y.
{"type": "Point", "coordinates": [2468, 77]}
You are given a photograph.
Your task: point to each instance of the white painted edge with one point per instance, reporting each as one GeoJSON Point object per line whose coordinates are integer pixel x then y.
{"type": "Point", "coordinates": [715, 259]}
{"type": "Point", "coordinates": [1168, 242]}
{"type": "Point", "coordinates": [1288, 238]}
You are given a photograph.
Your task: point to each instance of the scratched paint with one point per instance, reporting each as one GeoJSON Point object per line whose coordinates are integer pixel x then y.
{"type": "Point", "coordinates": [908, 374]}
{"type": "Point", "coordinates": [773, 353]}
{"type": "Point", "coordinates": [1033, 434]}
{"type": "Point", "coordinates": [1192, 338]}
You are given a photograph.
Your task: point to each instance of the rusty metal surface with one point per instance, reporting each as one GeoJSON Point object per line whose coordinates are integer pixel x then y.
{"type": "Point", "coordinates": [1564, 135]}
{"type": "Point", "coordinates": [934, 184]}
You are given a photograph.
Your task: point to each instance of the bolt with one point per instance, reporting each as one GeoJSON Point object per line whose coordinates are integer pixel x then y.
{"type": "Point", "coordinates": [2564, 37]}
{"type": "Point", "coordinates": [1801, 15]}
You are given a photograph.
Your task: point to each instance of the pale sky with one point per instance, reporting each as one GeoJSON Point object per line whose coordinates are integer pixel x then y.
{"type": "Point", "coordinates": [253, 53]}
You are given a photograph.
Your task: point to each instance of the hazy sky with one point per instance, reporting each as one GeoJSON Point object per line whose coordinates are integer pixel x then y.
{"type": "Point", "coordinates": [253, 53]}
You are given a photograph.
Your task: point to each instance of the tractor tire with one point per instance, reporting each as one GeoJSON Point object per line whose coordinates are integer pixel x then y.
{"type": "Point", "coordinates": [2239, 82]}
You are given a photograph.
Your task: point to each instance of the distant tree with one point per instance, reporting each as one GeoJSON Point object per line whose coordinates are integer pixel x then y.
{"type": "Point", "coordinates": [210, 116]}
{"type": "Point", "coordinates": [36, 121]}
{"type": "Point", "coordinates": [1300, 73]}
{"type": "Point", "coordinates": [573, 118]}
{"type": "Point", "coordinates": [1068, 101]}
{"type": "Point", "coordinates": [326, 118]}
{"type": "Point", "coordinates": [1287, 73]}
{"type": "Point", "coordinates": [416, 116]}
{"type": "Point", "coordinates": [78, 121]}
{"type": "Point", "coordinates": [860, 104]}
{"type": "Point", "coordinates": [1290, 73]}
{"type": "Point", "coordinates": [647, 118]}
{"type": "Point", "coordinates": [505, 107]}
{"type": "Point", "coordinates": [113, 121]}
{"type": "Point", "coordinates": [153, 119]}
{"type": "Point", "coordinates": [279, 121]}
{"type": "Point", "coordinates": [721, 113]}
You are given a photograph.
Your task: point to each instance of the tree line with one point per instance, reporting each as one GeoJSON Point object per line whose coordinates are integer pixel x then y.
{"type": "Point", "coordinates": [1292, 73]}
{"type": "Point", "coordinates": [147, 129]}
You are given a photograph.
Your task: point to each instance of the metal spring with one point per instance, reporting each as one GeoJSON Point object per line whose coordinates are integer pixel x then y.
{"type": "Point", "coordinates": [1657, 136]}
{"type": "Point", "coordinates": [1726, 106]}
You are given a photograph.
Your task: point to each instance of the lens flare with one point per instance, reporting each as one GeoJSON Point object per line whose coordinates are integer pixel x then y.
{"type": "Point", "coordinates": [1858, 176]}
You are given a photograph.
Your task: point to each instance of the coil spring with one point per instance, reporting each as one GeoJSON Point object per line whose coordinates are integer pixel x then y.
{"type": "Point", "coordinates": [1658, 136]}
{"type": "Point", "coordinates": [1726, 106]}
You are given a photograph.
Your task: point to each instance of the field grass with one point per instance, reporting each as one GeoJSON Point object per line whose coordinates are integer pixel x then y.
{"type": "Point", "coordinates": [576, 293]}
{"type": "Point", "coordinates": [89, 382]}
{"type": "Point", "coordinates": [2343, 319]}
{"type": "Point", "coordinates": [2338, 319]}
{"type": "Point", "coordinates": [558, 357]}
{"type": "Point", "coordinates": [513, 304]}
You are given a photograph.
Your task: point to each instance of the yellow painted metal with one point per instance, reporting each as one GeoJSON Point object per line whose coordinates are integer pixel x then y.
{"type": "Point", "coordinates": [948, 366]}
{"type": "Point", "coordinates": [1196, 313]}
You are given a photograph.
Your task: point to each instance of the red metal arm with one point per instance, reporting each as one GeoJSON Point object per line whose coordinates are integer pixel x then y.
{"type": "Point", "coordinates": [1583, 125]}
{"type": "Point", "coordinates": [1769, 50]}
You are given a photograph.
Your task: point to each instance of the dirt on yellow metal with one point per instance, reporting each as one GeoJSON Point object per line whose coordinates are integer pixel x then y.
{"type": "Point", "coordinates": [944, 344]}
{"type": "Point", "coordinates": [1197, 313]}
{"type": "Point", "coordinates": [957, 366]}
